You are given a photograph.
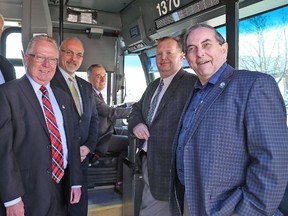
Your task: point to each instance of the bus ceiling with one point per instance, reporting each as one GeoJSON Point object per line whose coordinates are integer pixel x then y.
{"type": "Point", "coordinates": [138, 23]}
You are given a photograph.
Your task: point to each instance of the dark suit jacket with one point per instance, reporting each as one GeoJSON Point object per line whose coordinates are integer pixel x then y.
{"type": "Point", "coordinates": [107, 116]}
{"type": "Point", "coordinates": [7, 69]}
{"type": "Point", "coordinates": [236, 152]}
{"type": "Point", "coordinates": [25, 151]}
{"type": "Point", "coordinates": [162, 129]}
{"type": "Point", "coordinates": [88, 121]}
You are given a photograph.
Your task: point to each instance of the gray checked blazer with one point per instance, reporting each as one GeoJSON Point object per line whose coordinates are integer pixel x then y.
{"type": "Point", "coordinates": [162, 129]}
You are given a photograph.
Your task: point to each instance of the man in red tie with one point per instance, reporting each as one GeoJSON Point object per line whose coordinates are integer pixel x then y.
{"type": "Point", "coordinates": [40, 165]}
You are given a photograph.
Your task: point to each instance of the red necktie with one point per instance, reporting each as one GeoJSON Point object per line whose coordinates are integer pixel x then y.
{"type": "Point", "coordinates": [55, 138]}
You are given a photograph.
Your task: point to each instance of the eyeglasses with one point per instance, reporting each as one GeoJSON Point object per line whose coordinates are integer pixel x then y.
{"type": "Point", "coordinates": [70, 53]}
{"type": "Point", "coordinates": [41, 59]}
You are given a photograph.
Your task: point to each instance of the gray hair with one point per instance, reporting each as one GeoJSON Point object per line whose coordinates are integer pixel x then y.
{"type": "Point", "coordinates": [218, 36]}
{"type": "Point", "coordinates": [37, 38]}
{"type": "Point", "coordinates": [91, 67]}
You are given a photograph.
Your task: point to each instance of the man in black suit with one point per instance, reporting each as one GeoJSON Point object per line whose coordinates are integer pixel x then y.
{"type": "Point", "coordinates": [7, 71]}
{"type": "Point", "coordinates": [27, 169]}
{"type": "Point", "coordinates": [70, 59]}
{"type": "Point", "coordinates": [155, 127]}
{"type": "Point", "coordinates": [110, 138]}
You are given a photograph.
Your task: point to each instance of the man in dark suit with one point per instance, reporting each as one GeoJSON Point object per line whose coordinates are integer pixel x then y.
{"type": "Point", "coordinates": [70, 59]}
{"type": "Point", "coordinates": [7, 71]}
{"type": "Point", "coordinates": [231, 146]}
{"type": "Point", "coordinates": [156, 126]}
{"type": "Point", "coordinates": [110, 138]}
{"type": "Point", "coordinates": [29, 184]}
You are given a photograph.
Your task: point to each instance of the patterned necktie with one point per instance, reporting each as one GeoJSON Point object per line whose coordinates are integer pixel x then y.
{"type": "Point", "coordinates": [75, 94]}
{"type": "Point", "coordinates": [154, 102]}
{"type": "Point", "coordinates": [55, 138]}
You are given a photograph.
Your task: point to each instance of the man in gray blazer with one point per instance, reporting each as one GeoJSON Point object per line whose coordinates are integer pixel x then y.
{"type": "Point", "coordinates": [110, 138]}
{"type": "Point", "coordinates": [27, 183]}
{"type": "Point", "coordinates": [154, 122]}
{"type": "Point", "coordinates": [231, 147]}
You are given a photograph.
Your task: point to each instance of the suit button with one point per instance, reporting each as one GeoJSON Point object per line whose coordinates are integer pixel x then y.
{"type": "Point", "coordinates": [48, 146]}
{"type": "Point", "coordinates": [49, 170]}
{"type": "Point", "coordinates": [80, 121]}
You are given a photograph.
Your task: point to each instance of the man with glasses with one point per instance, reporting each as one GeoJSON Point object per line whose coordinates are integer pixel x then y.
{"type": "Point", "coordinates": [39, 160]}
{"type": "Point", "coordinates": [70, 59]}
{"type": "Point", "coordinates": [7, 71]}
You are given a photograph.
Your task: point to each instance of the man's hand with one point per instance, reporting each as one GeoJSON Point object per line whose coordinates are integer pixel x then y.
{"type": "Point", "coordinates": [141, 131]}
{"type": "Point", "coordinates": [16, 209]}
{"type": "Point", "coordinates": [84, 151]}
{"type": "Point", "coordinates": [75, 195]}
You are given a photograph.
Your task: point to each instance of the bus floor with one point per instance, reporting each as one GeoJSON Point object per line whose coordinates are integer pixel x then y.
{"type": "Point", "coordinates": [104, 201]}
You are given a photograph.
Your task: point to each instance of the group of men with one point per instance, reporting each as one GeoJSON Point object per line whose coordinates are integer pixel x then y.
{"type": "Point", "coordinates": [211, 144]}
{"type": "Point", "coordinates": [49, 125]}
{"type": "Point", "coordinates": [215, 144]}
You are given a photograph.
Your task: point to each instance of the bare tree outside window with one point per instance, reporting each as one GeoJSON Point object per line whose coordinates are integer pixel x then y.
{"type": "Point", "coordinates": [263, 47]}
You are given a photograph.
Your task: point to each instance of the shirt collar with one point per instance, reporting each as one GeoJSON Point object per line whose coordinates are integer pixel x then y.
{"type": "Point", "coordinates": [213, 80]}
{"type": "Point", "coordinates": [169, 79]}
{"type": "Point", "coordinates": [65, 74]}
{"type": "Point", "coordinates": [97, 92]}
{"type": "Point", "coordinates": [36, 86]}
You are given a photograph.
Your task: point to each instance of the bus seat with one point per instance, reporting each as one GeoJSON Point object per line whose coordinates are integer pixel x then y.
{"type": "Point", "coordinates": [102, 169]}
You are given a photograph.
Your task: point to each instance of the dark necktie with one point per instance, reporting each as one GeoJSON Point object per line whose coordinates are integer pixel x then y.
{"type": "Point", "coordinates": [154, 102]}
{"type": "Point", "coordinates": [55, 138]}
{"type": "Point", "coordinates": [100, 96]}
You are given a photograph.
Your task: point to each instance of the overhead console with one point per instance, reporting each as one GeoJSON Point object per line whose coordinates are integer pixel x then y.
{"type": "Point", "coordinates": [135, 36]}
{"type": "Point", "coordinates": [158, 19]}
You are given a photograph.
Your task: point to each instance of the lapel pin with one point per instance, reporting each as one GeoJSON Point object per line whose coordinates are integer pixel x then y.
{"type": "Point", "coordinates": [222, 85]}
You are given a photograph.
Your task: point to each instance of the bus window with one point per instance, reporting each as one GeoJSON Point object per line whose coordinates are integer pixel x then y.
{"type": "Point", "coordinates": [14, 46]}
{"type": "Point", "coordinates": [20, 71]}
{"type": "Point", "coordinates": [14, 51]}
{"type": "Point", "coordinates": [263, 46]}
{"type": "Point", "coordinates": [135, 78]}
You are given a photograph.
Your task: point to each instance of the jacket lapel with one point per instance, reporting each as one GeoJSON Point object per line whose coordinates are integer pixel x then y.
{"type": "Point", "coordinates": [82, 93]}
{"type": "Point", "coordinates": [210, 99]}
{"type": "Point", "coordinates": [169, 92]}
{"type": "Point", "coordinates": [61, 82]}
{"type": "Point", "coordinates": [31, 98]}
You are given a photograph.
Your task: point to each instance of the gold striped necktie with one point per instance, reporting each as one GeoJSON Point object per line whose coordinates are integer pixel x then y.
{"type": "Point", "coordinates": [75, 94]}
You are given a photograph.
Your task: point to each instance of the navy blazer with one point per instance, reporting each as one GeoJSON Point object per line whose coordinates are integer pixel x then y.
{"type": "Point", "coordinates": [236, 152]}
{"type": "Point", "coordinates": [25, 147]}
{"type": "Point", "coordinates": [7, 69]}
{"type": "Point", "coordinates": [162, 128]}
{"type": "Point", "coordinates": [88, 121]}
